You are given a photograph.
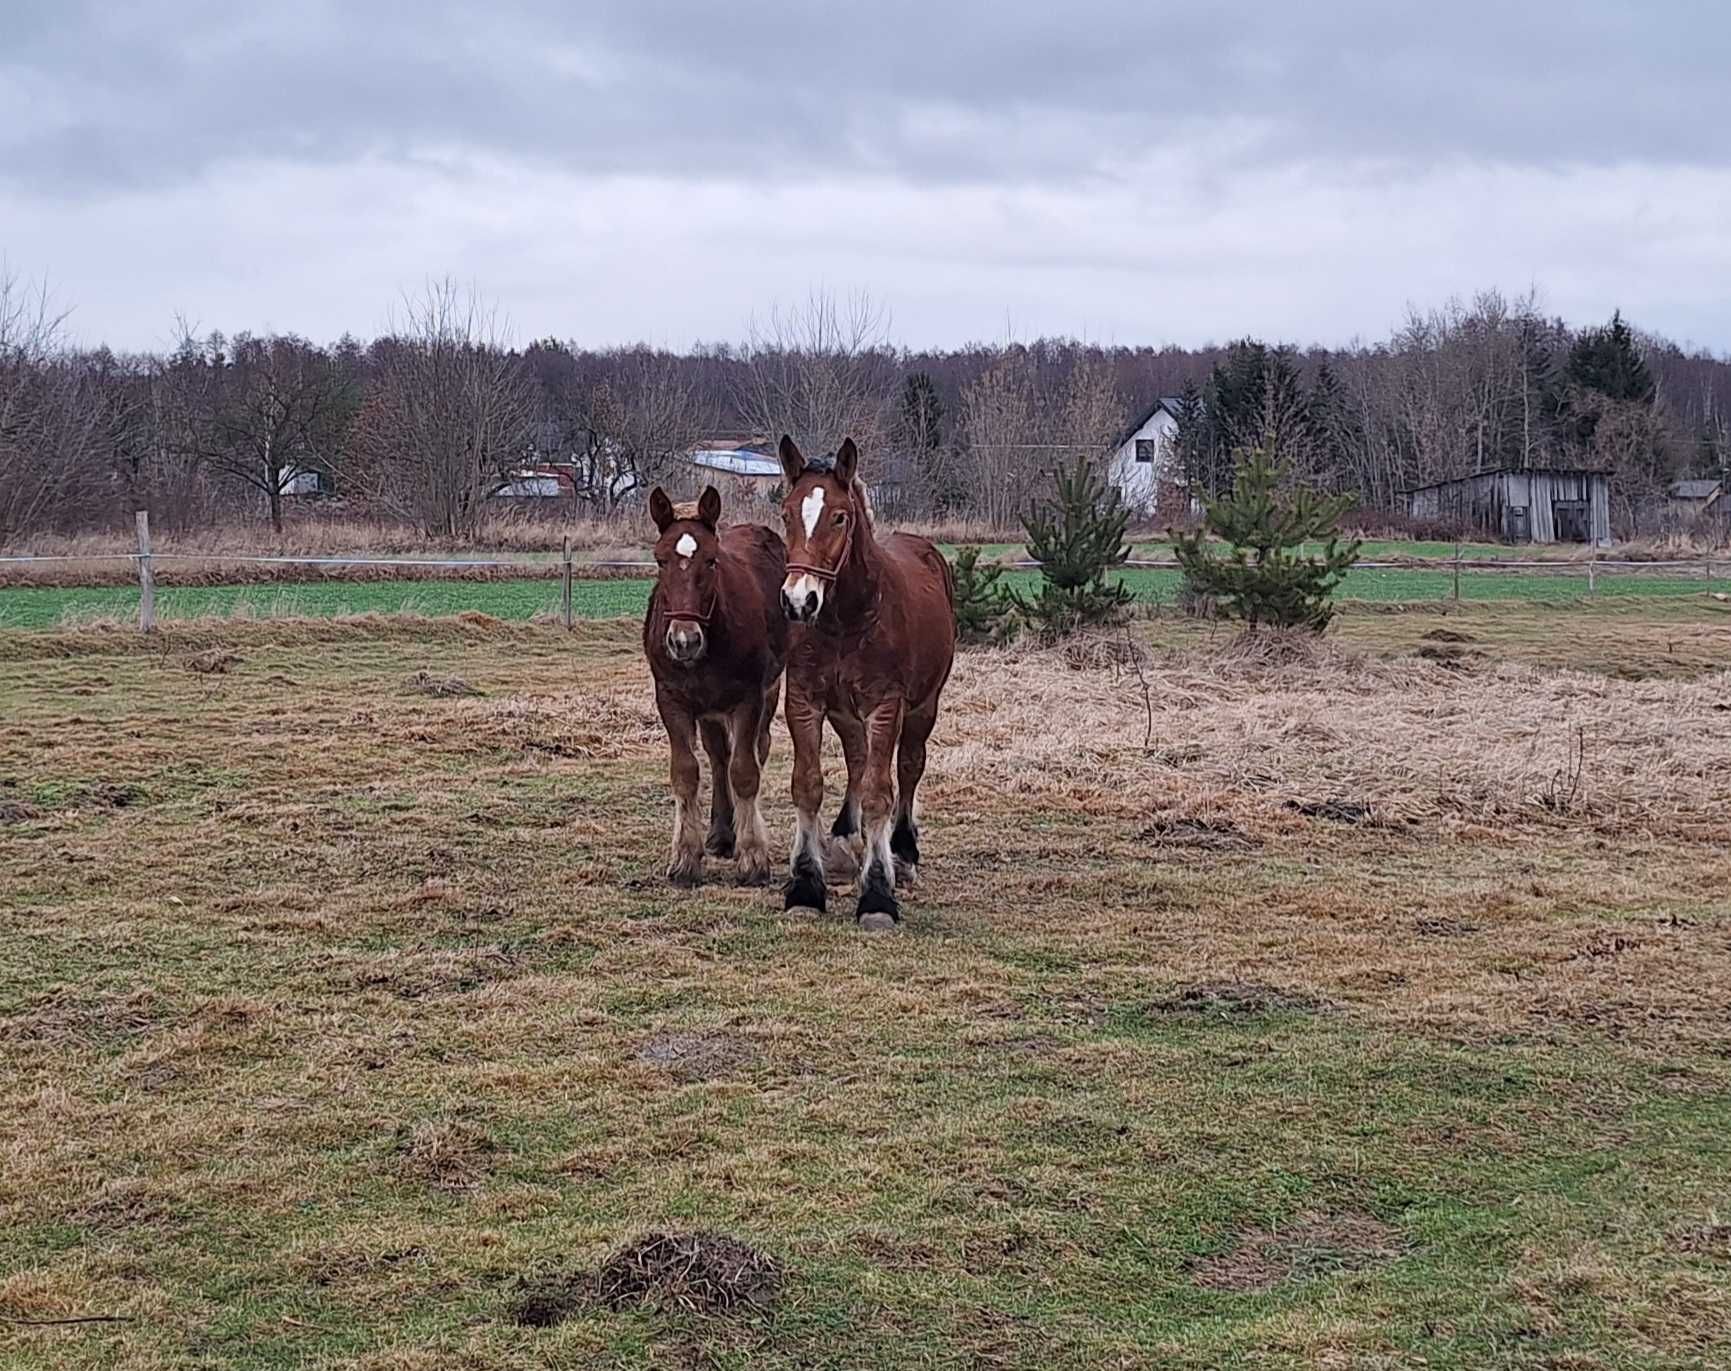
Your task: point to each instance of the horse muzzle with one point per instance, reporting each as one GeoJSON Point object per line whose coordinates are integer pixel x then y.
{"type": "Point", "coordinates": [802, 598]}
{"type": "Point", "coordinates": [685, 642]}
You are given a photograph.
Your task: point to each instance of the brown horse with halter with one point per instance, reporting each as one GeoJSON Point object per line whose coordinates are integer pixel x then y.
{"type": "Point", "coordinates": [716, 641]}
{"type": "Point", "coordinates": [873, 641]}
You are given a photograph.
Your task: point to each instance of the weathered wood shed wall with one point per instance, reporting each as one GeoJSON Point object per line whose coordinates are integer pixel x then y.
{"type": "Point", "coordinates": [1541, 506]}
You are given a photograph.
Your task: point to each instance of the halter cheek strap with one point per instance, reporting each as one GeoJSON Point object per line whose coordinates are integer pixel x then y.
{"type": "Point", "coordinates": [695, 616]}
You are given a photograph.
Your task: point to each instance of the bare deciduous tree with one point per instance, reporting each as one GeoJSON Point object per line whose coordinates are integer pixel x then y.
{"type": "Point", "coordinates": [821, 372]}
{"type": "Point", "coordinates": [449, 413]}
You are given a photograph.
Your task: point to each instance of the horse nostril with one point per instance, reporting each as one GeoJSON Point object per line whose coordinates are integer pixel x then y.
{"type": "Point", "coordinates": [811, 602]}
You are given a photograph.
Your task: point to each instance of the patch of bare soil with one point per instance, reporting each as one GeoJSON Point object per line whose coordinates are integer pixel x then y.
{"type": "Point", "coordinates": [1336, 811]}
{"type": "Point", "coordinates": [1454, 658]}
{"type": "Point", "coordinates": [447, 1154]}
{"type": "Point", "coordinates": [1447, 635]}
{"type": "Point", "coordinates": [692, 1057]}
{"type": "Point", "coordinates": [441, 687]}
{"type": "Point", "coordinates": [1223, 1000]}
{"type": "Point", "coordinates": [412, 974]}
{"type": "Point", "coordinates": [1218, 835]}
{"type": "Point", "coordinates": [698, 1273]}
{"type": "Point", "coordinates": [17, 812]}
{"type": "Point", "coordinates": [1311, 1245]}
{"type": "Point", "coordinates": [1443, 926]}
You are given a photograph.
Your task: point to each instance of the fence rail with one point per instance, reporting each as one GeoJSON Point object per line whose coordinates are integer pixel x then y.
{"type": "Point", "coordinates": [1590, 568]}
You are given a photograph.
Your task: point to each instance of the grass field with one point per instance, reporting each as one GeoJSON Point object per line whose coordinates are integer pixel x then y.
{"type": "Point", "coordinates": [1361, 1011]}
{"type": "Point", "coordinates": [54, 607]}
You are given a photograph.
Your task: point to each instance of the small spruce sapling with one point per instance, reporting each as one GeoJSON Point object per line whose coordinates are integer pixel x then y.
{"type": "Point", "coordinates": [1264, 578]}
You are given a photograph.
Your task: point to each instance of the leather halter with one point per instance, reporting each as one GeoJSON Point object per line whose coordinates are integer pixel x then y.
{"type": "Point", "coordinates": [699, 617]}
{"type": "Point", "coordinates": [830, 573]}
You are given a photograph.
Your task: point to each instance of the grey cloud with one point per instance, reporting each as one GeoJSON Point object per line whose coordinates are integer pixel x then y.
{"type": "Point", "coordinates": [155, 94]}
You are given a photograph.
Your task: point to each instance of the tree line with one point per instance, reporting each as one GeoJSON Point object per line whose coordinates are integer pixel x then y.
{"type": "Point", "coordinates": [426, 423]}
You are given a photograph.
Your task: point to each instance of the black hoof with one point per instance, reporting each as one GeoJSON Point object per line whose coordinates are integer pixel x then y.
{"type": "Point", "coordinates": [805, 888]}
{"type": "Point", "coordinates": [719, 843]}
{"type": "Point", "coordinates": [905, 842]}
{"type": "Point", "coordinates": [877, 899]}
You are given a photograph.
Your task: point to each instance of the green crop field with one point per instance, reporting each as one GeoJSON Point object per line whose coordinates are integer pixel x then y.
{"type": "Point", "coordinates": [42, 608]}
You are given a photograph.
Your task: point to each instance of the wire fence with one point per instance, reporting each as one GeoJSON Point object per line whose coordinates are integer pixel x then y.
{"type": "Point", "coordinates": [1152, 579]}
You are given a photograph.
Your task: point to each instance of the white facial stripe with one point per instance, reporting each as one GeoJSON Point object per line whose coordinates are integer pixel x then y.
{"type": "Point", "coordinates": [812, 508]}
{"type": "Point", "coordinates": [686, 545]}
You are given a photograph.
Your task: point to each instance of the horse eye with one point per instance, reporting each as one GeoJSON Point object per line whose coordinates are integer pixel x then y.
{"type": "Point", "coordinates": [840, 518]}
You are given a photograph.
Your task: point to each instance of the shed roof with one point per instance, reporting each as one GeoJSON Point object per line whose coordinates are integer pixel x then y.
{"type": "Point", "coordinates": [1505, 471]}
{"type": "Point", "coordinates": [736, 461]}
{"type": "Point", "coordinates": [1695, 489]}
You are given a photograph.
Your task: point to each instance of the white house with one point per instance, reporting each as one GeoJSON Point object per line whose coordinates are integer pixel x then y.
{"type": "Point", "coordinates": [1144, 465]}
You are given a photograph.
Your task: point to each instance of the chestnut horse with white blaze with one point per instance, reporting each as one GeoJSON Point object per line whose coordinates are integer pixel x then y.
{"type": "Point", "coordinates": [716, 641]}
{"type": "Point", "coordinates": [873, 640]}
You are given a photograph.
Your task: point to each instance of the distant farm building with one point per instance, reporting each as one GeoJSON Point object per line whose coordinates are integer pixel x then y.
{"type": "Point", "coordinates": [1531, 506]}
{"type": "Point", "coordinates": [747, 463]}
{"type": "Point", "coordinates": [534, 483]}
{"type": "Point", "coordinates": [1688, 503]}
{"type": "Point", "coordinates": [1144, 465]}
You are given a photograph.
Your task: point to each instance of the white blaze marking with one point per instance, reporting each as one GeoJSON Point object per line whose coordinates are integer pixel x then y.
{"type": "Point", "coordinates": [686, 545]}
{"type": "Point", "coordinates": [798, 587]}
{"type": "Point", "coordinates": [812, 508]}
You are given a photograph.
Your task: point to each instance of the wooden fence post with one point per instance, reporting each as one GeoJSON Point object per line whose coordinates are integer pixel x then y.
{"type": "Point", "coordinates": [1593, 574]}
{"type": "Point", "coordinates": [1457, 571]}
{"type": "Point", "coordinates": [146, 576]}
{"type": "Point", "coordinates": [565, 587]}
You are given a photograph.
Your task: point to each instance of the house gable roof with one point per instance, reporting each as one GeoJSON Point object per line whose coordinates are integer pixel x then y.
{"type": "Point", "coordinates": [1169, 403]}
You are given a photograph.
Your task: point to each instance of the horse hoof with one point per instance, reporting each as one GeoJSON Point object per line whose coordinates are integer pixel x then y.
{"type": "Point", "coordinates": [754, 873]}
{"type": "Point", "coordinates": [719, 845]}
{"type": "Point", "coordinates": [803, 911]}
{"type": "Point", "coordinates": [684, 874]}
{"type": "Point", "coordinates": [877, 922]}
{"type": "Point", "coordinates": [906, 874]}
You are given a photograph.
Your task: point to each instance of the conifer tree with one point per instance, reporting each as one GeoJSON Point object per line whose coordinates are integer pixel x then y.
{"type": "Point", "coordinates": [982, 605]}
{"type": "Point", "coordinates": [1077, 536]}
{"type": "Point", "coordinates": [1264, 579]}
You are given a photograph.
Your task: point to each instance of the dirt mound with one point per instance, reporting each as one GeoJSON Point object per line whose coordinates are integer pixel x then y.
{"type": "Point", "coordinates": [699, 1273]}
{"type": "Point", "coordinates": [1443, 926]}
{"type": "Point", "coordinates": [443, 687]}
{"type": "Point", "coordinates": [16, 812]}
{"type": "Point", "coordinates": [1447, 635]}
{"type": "Point", "coordinates": [1222, 1000]}
{"type": "Point", "coordinates": [1311, 1245]}
{"type": "Point", "coordinates": [691, 1057]}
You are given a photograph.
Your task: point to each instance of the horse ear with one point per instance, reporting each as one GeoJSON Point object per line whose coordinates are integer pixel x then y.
{"type": "Point", "coordinates": [709, 506]}
{"type": "Point", "coordinates": [846, 460]}
{"type": "Point", "coordinates": [660, 508]}
{"type": "Point", "coordinates": [792, 460]}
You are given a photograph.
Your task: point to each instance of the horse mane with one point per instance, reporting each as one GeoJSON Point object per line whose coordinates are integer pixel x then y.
{"type": "Point", "coordinates": [685, 509]}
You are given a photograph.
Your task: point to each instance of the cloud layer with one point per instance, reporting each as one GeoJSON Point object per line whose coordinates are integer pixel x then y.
{"type": "Point", "coordinates": [1137, 172]}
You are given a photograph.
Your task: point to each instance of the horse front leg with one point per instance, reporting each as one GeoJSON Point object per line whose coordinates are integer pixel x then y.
{"type": "Point", "coordinates": [877, 889]}
{"type": "Point", "coordinates": [745, 777]}
{"type": "Point", "coordinates": [805, 884]}
{"type": "Point", "coordinates": [716, 743]}
{"type": "Point", "coordinates": [685, 865]}
{"type": "Point", "coordinates": [840, 862]}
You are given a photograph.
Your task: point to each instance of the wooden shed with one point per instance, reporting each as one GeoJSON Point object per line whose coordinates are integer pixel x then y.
{"type": "Point", "coordinates": [1536, 505]}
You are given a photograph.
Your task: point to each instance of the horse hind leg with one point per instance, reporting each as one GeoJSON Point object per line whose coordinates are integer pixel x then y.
{"type": "Point", "coordinates": [877, 885]}
{"type": "Point", "coordinates": [720, 842]}
{"type": "Point", "coordinates": [910, 767]}
{"type": "Point", "coordinates": [841, 862]}
{"type": "Point", "coordinates": [805, 887]}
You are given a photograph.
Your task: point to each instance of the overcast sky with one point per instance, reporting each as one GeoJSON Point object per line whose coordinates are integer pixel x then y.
{"type": "Point", "coordinates": [614, 170]}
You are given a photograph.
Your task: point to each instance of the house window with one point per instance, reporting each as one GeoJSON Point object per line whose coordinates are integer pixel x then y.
{"type": "Point", "coordinates": [1145, 448]}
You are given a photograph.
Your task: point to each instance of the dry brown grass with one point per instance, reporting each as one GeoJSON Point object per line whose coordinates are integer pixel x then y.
{"type": "Point", "coordinates": [353, 1015]}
